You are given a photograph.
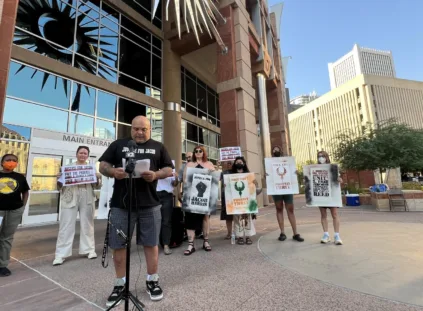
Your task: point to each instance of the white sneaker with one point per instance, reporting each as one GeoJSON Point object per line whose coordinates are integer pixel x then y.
{"type": "Point", "coordinates": [92, 255]}
{"type": "Point", "coordinates": [325, 239]}
{"type": "Point", "coordinates": [338, 240]}
{"type": "Point", "coordinates": [58, 261]}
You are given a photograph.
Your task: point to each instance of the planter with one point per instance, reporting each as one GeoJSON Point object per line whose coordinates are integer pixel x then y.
{"type": "Point", "coordinates": [414, 200]}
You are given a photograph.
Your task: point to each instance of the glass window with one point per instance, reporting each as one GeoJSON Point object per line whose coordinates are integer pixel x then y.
{"type": "Point", "coordinates": [191, 146]}
{"type": "Point", "coordinates": [41, 87]}
{"type": "Point", "coordinates": [156, 78]}
{"type": "Point", "coordinates": [106, 105]}
{"type": "Point", "coordinates": [105, 129]}
{"type": "Point", "coordinates": [213, 153]}
{"type": "Point", "coordinates": [135, 61]}
{"type": "Point", "coordinates": [202, 99]}
{"type": "Point", "coordinates": [191, 93]}
{"type": "Point", "coordinates": [203, 136]}
{"type": "Point", "coordinates": [134, 84]}
{"type": "Point", "coordinates": [109, 45]}
{"type": "Point", "coordinates": [128, 110]}
{"type": "Point", "coordinates": [156, 136]}
{"type": "Point", "coordinates": [19, 132]}
{"type": "Point", "coordinates": [81, 125]}
{"type": "Point", "coordinates": [191, 110]}
{"type": "Point", "coordinates": [135, 33]}
{"type": "Point", "coordinates": [111, 14]}
{"type": "Point", "coordinates": [19, 112]}
{"type": "Point", "coordinates": [213, 139]}
{"type": "Point", "coordinates": [124, 131]}
{"type": "Point", "coordinates": [156, 117]}
{"type": "Point", "coordinates": [42, 203]}
{"type": "Point", "coordinates": [211, 104]}
{"type": "Point", "coordinates": [184, 147]}
{"type": "Point", "coordinates": [83, 98]}
{"type": "Point", "coordinates": [87, 34]}
{"type": "Point", "coordinates": [192, 132]}
{"type": "Point", "coordinates": [182, 86]}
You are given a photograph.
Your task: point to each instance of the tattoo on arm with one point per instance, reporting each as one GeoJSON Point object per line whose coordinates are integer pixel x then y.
{"type": "Point", "coordinates": [106, 169]}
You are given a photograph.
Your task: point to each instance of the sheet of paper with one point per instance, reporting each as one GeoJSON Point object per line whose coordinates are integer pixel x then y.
{"type": "Point", "coordinates": [141, 166]}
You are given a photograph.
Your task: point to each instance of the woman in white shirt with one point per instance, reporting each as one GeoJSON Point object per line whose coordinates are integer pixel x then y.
{"type": "Point", "coordinates": [74, 198]}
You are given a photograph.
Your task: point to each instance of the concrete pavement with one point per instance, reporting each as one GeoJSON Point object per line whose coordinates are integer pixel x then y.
{"type": "Point", "coordinates": [380, 257]}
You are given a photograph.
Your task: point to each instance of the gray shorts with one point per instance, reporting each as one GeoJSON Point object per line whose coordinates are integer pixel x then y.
{"type": "Point", "coordinates": [148, 226]}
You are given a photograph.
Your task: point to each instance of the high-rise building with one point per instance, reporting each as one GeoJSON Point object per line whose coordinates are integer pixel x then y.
{"type": "Point", "coordinates": [361, 61]}
{"type": "Point", "coordinates": [362, 100]}
{"type": "Point", "coordinates": [300, 101]}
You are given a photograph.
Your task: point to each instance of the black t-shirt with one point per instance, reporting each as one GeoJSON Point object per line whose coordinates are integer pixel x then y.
{"type": "Point", "coordinates": [12, 186]}
{"type": "Point", "coordinates": [144, 193]}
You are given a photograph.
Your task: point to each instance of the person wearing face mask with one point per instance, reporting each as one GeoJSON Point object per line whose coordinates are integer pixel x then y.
{"type": "Point", "coordinates": [73, 199]}
{"type": "Point", "coordinates": [243, 224]}
{"type": "Point", "coordinates": [323, 158]}
{"type": "Point", "coordinates": [14, 192]}
{"type": "Point", "coordinates": [288, 199]}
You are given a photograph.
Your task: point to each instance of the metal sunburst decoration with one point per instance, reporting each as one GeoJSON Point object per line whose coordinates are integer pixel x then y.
{"type": "Point", "coordinates": [197, 14]}
{"type": "Point", "coordinates": [48, 27]}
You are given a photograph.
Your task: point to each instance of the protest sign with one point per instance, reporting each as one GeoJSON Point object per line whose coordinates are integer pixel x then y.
{"type": "Point", "coordinates": [78, 175]}
{"type": "Point", "coordinates": [281, 177]}
{"type": "Point", "coordinates": [321, 185]}
{"type": "Point", "coordinates": [240, 194]}
{"type": "Point", "coordinates": [229, 153]}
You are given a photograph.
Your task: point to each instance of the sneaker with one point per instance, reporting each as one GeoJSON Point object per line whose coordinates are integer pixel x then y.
{"type": "Point", "coordinates": [338, 240]}
{"type": "Point", "coordinates": [298, 238]}
{"type": "Point", "coordinates": [325, 239]}
{"type": "Point", "coordinates": [167, 250]}
{"type": "Point", "coordinates": [4, 272]}
{"type": "Point", "coordinates": [282, 237]}
{"type": "Point", "coordinates": [58, 261]}
{"type": "Point", "coordinates": [154, 289]}
{"type": "Point", "coordinates": [117, 290]}
{"type": "Point", "coordinates": [92, 255]}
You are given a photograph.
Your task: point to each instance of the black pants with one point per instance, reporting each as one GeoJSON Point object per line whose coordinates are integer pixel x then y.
{"type": "Point", "coordinates": [166, 199]}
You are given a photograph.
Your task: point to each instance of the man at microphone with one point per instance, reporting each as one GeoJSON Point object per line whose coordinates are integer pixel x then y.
{"type": "Point", "coordinates": [145, 202]}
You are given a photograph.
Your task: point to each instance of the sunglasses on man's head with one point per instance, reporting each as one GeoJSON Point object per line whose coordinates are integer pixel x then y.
{"type": "Point", "coordinates": [198, 151]}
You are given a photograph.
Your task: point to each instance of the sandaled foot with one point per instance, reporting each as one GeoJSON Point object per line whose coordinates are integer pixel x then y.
{"type": "Point", "coordinates": [240, 241]}
{"type": "Point", "coordinates": [228, 237]}
{"type": "Point", "coordinates": [248, 241]}
{"type": "Point", "coordinates": [190, 249]}
{"type": "Point", "coordinates": [206, 245]}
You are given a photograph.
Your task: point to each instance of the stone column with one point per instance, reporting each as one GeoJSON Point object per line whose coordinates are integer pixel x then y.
{"type": "Point", "coordinates": [236, 94]}
{"type": "Point", "coordinates": [7, 26]}
{"type": "Point", "coordinates": [172, 100]}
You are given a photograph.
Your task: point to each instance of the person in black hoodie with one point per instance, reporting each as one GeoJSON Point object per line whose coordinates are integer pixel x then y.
{"type": "Point", "coordinates": [14, 192]}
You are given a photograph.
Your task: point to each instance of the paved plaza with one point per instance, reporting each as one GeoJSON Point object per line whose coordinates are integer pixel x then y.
{"type": "Point", "coordinates": [378, 268]}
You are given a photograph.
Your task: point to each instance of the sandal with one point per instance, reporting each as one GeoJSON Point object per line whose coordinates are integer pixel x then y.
{"type": "Point", "coordinates": [248, 241]}
{"type": "Point", "coordinates": [240, 241]}
{"type": "Point", "coordinates": [189, 251]}
{"type": "Point", "coordinates": [228, 237]}
{"type": "Point", "coordinates": [208, 247]}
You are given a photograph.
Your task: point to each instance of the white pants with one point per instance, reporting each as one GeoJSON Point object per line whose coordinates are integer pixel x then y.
{"type": "Point", "coordinates": [67, 230]}
{"type": "Point", "coordinates": [244, 226]}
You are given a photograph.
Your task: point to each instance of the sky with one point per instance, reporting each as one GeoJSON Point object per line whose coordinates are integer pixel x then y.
{"type": "Point", "coordinates": [317, 32]}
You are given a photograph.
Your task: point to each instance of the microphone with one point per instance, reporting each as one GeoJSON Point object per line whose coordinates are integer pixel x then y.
{"type": "Point", "coordinates": [130, 156]}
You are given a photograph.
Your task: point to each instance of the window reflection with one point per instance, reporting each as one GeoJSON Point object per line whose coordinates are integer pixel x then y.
{"type": "Point", "coordinates": [19, 112]}
{"type": "Point", "coordinates": [105, 129]}
{"type": "Point", "coordinates": [135, 64]}
{"type": "Point", "coordinates": [156, 136]}
{"type": "Point", "coordinates": [80, 124]}
{"type": "Point", "coordinates": [83, 98]}
{"type": "Point", "coordinates": [10, 131]}
{"type": "Point", "coordinates": [53, 91]}
{"type": "Point", "coordinates": [124, 131]}
{"type": "Point", "coordinates": [106, 105]}
{"type": "Point", "coordinates": [108, 53]}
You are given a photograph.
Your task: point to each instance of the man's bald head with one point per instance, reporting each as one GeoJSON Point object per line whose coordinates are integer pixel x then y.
{"type": "Point", "coordinates": [141, 129]}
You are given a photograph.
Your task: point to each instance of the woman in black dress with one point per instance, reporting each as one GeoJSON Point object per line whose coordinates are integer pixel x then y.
{"type": "Point", "coordinates": [198, 221]}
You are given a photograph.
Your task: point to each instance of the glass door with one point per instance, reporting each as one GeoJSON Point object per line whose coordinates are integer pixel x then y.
{"type": "Point", "coordinates": [43, 203]}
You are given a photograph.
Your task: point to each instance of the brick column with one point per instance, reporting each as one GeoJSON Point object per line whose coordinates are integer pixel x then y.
{"type": "Point", "coordinates": [8, 9]}
{"type": "Point", "coordinates": [236, 94]}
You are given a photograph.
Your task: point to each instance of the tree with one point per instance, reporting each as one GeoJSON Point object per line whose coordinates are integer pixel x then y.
{"type": "Point", "coordinates": [300, 171]}
{"type": "Point", "coordinates": [389, 145]}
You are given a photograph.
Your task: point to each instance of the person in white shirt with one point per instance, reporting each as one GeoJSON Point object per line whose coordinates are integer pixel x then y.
{"type": "Point", "coordinates": [165, 189]}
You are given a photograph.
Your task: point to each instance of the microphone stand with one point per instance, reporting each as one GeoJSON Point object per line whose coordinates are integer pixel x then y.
{"type": "Point", "coordinates": [126, 293]}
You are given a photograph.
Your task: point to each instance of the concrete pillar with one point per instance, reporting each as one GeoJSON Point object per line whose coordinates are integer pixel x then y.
{"type": "Point", "coordinates": [236, 94]}
{"type": "Point", "coordinates": [172, 100]}
{"type": "Point", "coordinates": [8, 11]}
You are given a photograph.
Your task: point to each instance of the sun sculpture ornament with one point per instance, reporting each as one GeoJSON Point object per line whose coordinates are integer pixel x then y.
{"type": "Point", "coordinates": [199, 16]}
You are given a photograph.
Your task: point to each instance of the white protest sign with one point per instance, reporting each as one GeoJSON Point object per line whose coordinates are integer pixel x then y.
{"type": "Point", "coordinates": [229, 153]}
{"type": "Point", "coordinates": [78, 175]}
{"type": "Point", "coordinates": [322, 188]}
{"type": "Point", "coordinates": [281, 177]}
{"type": "Point", "coordinates": [200, 193]}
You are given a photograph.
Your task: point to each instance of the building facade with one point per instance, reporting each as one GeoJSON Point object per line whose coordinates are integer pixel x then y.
{"type": "Point", "coordinates": [364, 99]}
{"type": "Point", "coordinates": [76, 72]}
{"type": "Point", "coordinates": [361, 61]}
